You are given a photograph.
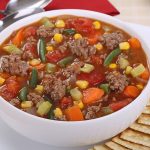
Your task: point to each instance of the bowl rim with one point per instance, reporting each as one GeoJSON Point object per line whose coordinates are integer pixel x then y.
{"type": "Point", "coordinates": [76, 12]}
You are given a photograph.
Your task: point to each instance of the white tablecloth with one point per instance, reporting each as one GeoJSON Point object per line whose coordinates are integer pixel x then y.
{"type": "Point", "coordinates": [135, 11]}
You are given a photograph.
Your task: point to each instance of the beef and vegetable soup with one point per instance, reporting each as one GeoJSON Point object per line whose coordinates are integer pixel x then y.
{"type": "Point", "coordinates": [71, 68]}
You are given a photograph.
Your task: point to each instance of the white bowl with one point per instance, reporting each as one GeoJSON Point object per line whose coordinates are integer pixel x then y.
{"type": "Point", "coordinates": [81, 133]}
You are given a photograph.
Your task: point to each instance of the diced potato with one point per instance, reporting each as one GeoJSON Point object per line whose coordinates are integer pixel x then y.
{"type": "Point", "coordinates": [77, 36]}
{"type": "Point", "coordinates": [39, 89]}
{"type": "Point", "coordinates": [140, 86]}
{"type": "Point", "coordinates": [113, 66]}
{"type": "Point", "coordinates": [58, 37]}
{"type": "Point", "coordinates": [124, 46]}
{"type": "Point", "coordinates": [128, 70]}
{"type": "Point", "coordinates": [2, 80]}
{"type": "Point", "coordinates": [99, 46]}
{"type": "Point", "coordinates": [26, 104]}
{"type": "Point", "coordinates": [79, 104]}
{"type": "Point", "coordinates": [60, 24]}
{"type": "Point", "coordinates": [82, 84]}
{"type": "Point", "coordinates": [44, 108]}
{"type": "Point", "coordinates": [87, 68]}
{"type": "Point", "coordinates": [34, 62]}
{"type": "Point", "coordinates": [97, 25]}
{"type": "Point", "coordinates": [76, 94]}
{"type": "Point", "coordinates": [49, 48]}
{"type": "Point", "coordinates": [58, 112]}
{"type": "Point", "coordinates": [137, 71]}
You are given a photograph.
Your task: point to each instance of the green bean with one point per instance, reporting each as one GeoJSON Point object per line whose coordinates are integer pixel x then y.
{"type": "Point", "coordinates": [69, 31]}
{"type": "Point", "coordinates": [42, 49]}
{"type": "Point", "coordinates": [105, 87]}
{"type": "Point", "coordinates": [106, 110]}
{"type": "Point", "coordinates": [111, 56]}
{"type": "Point", "coordinates": [23, 94]}
{"type": "Point", "coordinates": [34, 78]}
{"type": "Point", "coordinates": [64, 62]}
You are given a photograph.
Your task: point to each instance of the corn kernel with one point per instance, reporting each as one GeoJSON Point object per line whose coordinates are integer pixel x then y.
{"type": "Point", "coordinates": [2, 80]}
{"type": "Point", "coordinates": [97, 25]}
{"type": "Point", "coordinates": [124, 46]}
{"type": "Point", "coordinates": [58, 113]}
{"type": "Point", "coordinates": [34, 62]}
{"type": "Point", "coordinates": [77, 36]}
{"type": "Point", "coordinates": [26, 104]}
{"type": "Point", "coordinates": [58, 37]}
{"type": "Point", "coordinates": [82, 84]}
{"type": "Point", "coordinates": [60, 24]}
{"type": "Point", "coordinates": [49, 48]}
{"type": "Point", "coordinates": [39, 89]}
{"type": "Point", "coordinates": [113, 66]}
{"type": "Point", "coordinates": [99, 46]}
{"type": "Point", "coordinates": [128, 70]}
{"type": "Point", "coordinates": [140, 86]}
{"type": "Point", "coordinates": [79, 103]}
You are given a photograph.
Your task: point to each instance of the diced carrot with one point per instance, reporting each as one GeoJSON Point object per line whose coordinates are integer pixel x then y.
{"type": "Point", "coordinates": [131, 91]}
{"type": "Point", "coordinates": [120, 104]}
{"type": "Point", "coordinates": [145, 75]}
{"type": "Point", "coordinates": [135, 43]}
{"type": "Point", "coordinates": [74, 114]}
{"type": "Point", "coordinates": [91, 95]}
{"type": "Point", "coordinates": [18, 37]}
{"type": "Point", "coordinates": [4, 75]}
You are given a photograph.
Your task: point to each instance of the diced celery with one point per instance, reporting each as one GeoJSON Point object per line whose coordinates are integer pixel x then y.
{"type": "Point", "coordinates": [10, 48]}
{"type": "Point", "coordinates": [76, 94]}
{"type": "Point", "coordinates": [87, 68]}
{"type": "Point", "coordinates": [123, 63]}
{"type": "Point", "coordinates": [137, 71]}
{"type": "Point", "coordinates": [46, 22]}
{"type": "Point", "coordinates": [50, 68]}
{"type": "Point", "coordinates": [44, 108]}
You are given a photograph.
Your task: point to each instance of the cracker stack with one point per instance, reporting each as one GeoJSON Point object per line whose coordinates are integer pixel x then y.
{"type": "Point", "coordinates": [136, 137]}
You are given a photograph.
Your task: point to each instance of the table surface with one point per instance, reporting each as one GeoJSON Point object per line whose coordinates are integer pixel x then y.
{"type": "Point", "coordinates": [134, 11]}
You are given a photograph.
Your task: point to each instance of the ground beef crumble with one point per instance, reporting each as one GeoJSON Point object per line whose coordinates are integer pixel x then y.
{"type": "Point", "coordinates": [91, 111]}
{"type": "Point", "coordinates": [46, 32]}
{"type": "Point", "coordinates": [14, 65]}
{"type": "Point", "coordinates": [54, 87]}
{"type": "Point", "coordinates": [15, 102]}
{"type": "Point", "coordinates": [34, 97]}
{"type": "Point", "coordinates": [117, 81]}
{"type": "Point", "coordinates": [112, 40]}
{"type": "Point", "coordinates": [28, 48]}
{"type": "Point", "coordinates": [81, 48]}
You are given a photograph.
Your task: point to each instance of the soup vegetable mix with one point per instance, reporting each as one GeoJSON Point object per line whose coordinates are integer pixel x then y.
{"type": "Point", "coordinates": [71, 68]}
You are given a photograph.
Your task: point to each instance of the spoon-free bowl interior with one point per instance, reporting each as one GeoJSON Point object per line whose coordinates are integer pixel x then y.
{"type": "Point", "coordinates": [72, 133]}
